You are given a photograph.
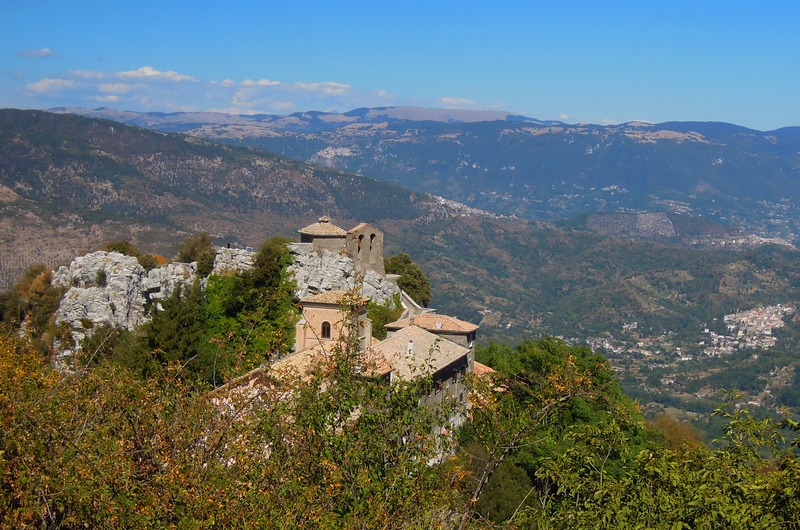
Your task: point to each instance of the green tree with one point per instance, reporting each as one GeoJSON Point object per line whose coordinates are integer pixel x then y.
{"type": "Point", "coordinates": [123, 246]}
{"type": "Point", "coordinates": [30, 304]}
{"type": "Point", "coordinates": [198, 248]}
{"type": "Point", "coordinates": [382, 314]}
{"type": "Point", "coordinates": [412, 280]}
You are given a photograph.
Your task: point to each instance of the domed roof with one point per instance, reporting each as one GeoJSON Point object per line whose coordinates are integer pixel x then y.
{"type": "Point", "coordinates": [323, 227]}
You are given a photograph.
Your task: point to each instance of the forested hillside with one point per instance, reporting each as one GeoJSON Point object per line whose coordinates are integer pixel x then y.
{"type": "Point", "coordinates": [68, 184]}
{"type": "Point", "coordinates": [537, 170]}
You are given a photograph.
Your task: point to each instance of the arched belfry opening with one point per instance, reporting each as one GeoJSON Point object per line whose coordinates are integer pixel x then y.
{"type": "Point", "coordinates": [365, 247]}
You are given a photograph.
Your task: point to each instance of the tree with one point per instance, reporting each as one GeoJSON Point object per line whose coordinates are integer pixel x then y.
{"type": "Point", "coordinates": [382, 314]}
{"type": "Point", "coordinates": [412, 280]}
{"type": "Point", "coordinates": [198, 248]}
{"type": "Point", "coordinates": [123, 246]}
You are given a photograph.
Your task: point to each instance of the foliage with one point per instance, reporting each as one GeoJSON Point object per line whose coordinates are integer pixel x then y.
{"type": "Point", "coordinates": [101, 448]}
{"type": "Point", "coordinates": [412, 280]}
{"type": "Point", "coordinates": [547, 387]}
{"type": "Point", "coordinates": [198, 248]}
{"type": "Point", "coordinates": [382, 314]}
{"type": "Point", "coordinates": [232, 325]}
{"type": "Point", "coordinates": [123, 246]}
{"type": "Point", "coordinates": [30, 304]}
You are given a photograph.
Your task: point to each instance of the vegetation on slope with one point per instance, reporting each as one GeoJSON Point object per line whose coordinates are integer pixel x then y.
{"type": "Point", "coordinates": [551, 444]}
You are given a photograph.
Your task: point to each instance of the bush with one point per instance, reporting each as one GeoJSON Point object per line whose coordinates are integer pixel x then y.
{"type": "Point", "coordinates": [123, 246]}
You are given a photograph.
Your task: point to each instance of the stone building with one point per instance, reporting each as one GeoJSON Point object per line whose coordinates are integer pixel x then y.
{"type": "Point", "coordinates": [322, 320]}
{"type": "Point", "coordinates": [324, 235]}
{"type": "Point", "coordinates": [450, 328]}
{"type": "Point", "coordinates": [363, 243]}
{"type": "Point", "coordinates": [365, 247]}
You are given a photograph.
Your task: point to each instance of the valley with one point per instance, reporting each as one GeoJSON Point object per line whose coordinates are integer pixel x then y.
{"type": "Point", "coordinates": [640, 286]}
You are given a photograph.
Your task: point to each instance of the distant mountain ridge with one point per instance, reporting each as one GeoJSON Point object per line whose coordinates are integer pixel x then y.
{"type": "Point", "coordinates": [70, 183]}
{"type": "Point", "coordinates": [535, 169]}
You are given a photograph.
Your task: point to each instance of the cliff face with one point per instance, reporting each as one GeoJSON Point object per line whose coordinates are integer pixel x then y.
{"type": "Point", "coordinates": [109, 288]}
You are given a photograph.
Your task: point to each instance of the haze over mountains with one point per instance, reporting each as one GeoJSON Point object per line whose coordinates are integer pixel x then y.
{"type": "Point", "coordinates": [740, 177]}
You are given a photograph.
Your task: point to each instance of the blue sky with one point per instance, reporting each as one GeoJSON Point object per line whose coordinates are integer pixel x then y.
{"type": "Point", "coordinates": [578, 61]}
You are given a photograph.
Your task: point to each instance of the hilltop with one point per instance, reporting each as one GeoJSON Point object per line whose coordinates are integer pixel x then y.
{"type": "Point", "coordinates": [69, 183]}
{"type": "Point", "coordinates": [540, 170]}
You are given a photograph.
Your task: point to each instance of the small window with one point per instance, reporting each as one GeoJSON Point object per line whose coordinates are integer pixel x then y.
{"type": "Point", "coordinates": [360, 239]}
{"type": "Point", "coordinates": [371, 240]}
{"type": "Point", "coordinates": [326, 330]}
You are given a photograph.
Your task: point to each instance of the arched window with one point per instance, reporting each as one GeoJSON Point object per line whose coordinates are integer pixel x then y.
{"type": "Point", "coordinates": [326, 330]}
{"type": "Point", "coordinates": [371, 240]}
{"type": "Point", "coordinates": [360, 239]}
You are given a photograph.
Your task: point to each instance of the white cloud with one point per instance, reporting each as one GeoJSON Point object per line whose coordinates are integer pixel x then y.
{"type": "Point", "coordinates": [563, 116]}
{"type": "Point", "coordinates": [116, 88]}
{"type": "Point", "coordinates": [283, 105]}
{"type": "Point", "coordinates": [383, 94]}
{"type": "Point", "coordinates": [50, 85]}
{"type": "Point", "coordinates": [457, 102]}
{"type": "Point", "coordinates": [328, 88]}
{"type": "Point", "coordinates": [37, 53]}
{"type": "Point", "coordinates": [225, 82]}
{"type": "Point", "coordinates": [107, 99]}
{"type": "Point", "coordinates": [148, 72]}
{"type": "Point", "coordinates": [260, 82]}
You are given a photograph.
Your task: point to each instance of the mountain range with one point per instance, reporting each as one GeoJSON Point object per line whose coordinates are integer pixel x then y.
{"type": "Point", "coordinates": [540, 170]}
{"type": "Point", "coordinates": [70, 183]}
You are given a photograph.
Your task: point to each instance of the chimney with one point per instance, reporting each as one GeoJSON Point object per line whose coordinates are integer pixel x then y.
{"type": "Point", "coordinates": [410, 348]}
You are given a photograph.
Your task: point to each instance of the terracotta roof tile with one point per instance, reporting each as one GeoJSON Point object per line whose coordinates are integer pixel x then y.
{"type": "Point", "coordinates": [359, 226]}
{"type": "Point", "coordinates": [429, 352]}
{"type": "Point", "coordinates": [435, 323]}
{"type": "Point", "coordinates": [323, 227]}
{"type": "Point", "coordinates": [330, 297]}
{"type": "Point", "coordinates": [482, 369]}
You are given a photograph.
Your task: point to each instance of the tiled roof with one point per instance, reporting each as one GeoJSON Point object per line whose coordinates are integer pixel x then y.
{"type": "Point", "coordinates": [430, 353]}
{"type": "Point", "coordinates": [435, 323]}
{"type": "Point", "coordinates": [326, 297]}
{"type": "Point", "coordinates": [482, 369]}
{"type": "Point", "coordinates": [323, 227]}
{"type": "Point", "coordinates": [300, 363]}
{"type": "Point", "coordinates": [357, 227]}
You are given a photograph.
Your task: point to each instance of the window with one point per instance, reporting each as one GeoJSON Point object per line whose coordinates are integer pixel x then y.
{"type": "Point", "coordinates": [360, 239]}
{"type": "Point", "coordinates": [371, 240]}
{"type": "Point", "coordinates": [326, 330]}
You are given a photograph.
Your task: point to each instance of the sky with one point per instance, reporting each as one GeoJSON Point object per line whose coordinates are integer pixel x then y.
{"type": "Point", "coordinates": [577, 61]}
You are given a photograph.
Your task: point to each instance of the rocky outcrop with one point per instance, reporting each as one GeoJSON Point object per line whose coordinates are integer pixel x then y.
{"type": "Point", "coordinates": [232, 260]}
{"type": "Point", "coordinates": [109, 288]}
{"type": "Point", "coordinates": [328, 271]}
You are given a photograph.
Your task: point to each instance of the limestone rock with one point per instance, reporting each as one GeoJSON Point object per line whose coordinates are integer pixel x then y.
{"type": "Point", "coordinates": [232, 260]}
{"type": "Point", "coordinates": [109, 288]}
{"type": "Point", "coordinates": [328, 271]}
